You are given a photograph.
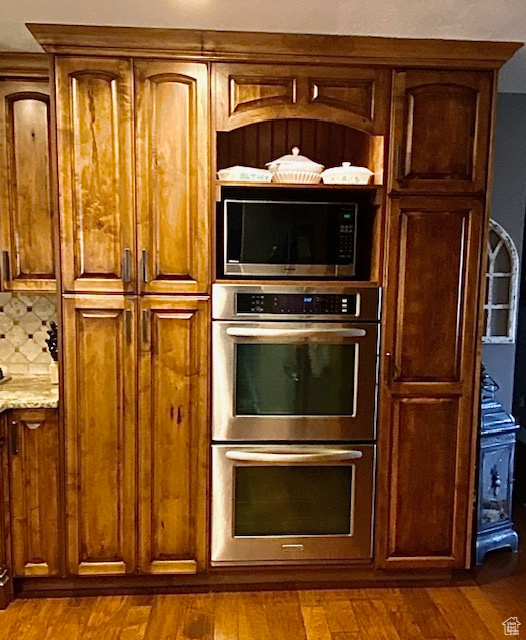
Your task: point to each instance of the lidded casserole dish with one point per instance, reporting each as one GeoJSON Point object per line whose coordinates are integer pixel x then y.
{"type": "Point", "coordinates": [347, 174]}
{"type": "Point", "coordinates": [295, 168]}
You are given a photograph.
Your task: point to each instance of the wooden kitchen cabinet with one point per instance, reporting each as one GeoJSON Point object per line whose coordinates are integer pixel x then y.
{"type": "Point", "coordinates": [104, 434]}
{"type": "Point", "coordinates": [142, 129]}
{"type": "Point", "coordinates": [173, 434]}
{"type": "Point", "coordinates": [440, 134]}
{"type": "Point", "coordinates": [352, 96]}
{"type": "Point", "coordinates": [94, 100]}
{"type": "Point", "coordinates": [172, 176]}
{"type": "Point", "coordinates": [34, 470]}
{"type": "Point", "coordinates": [108, 245]}
{"type": "Point", "coordinates": [428, 391]}
{"type": "Point", "coordinates": [100, 434]}
{"type": "Point", "coordinates": [26, 199]}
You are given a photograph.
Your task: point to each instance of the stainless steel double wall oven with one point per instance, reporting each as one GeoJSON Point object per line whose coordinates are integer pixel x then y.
{"type": "Point", "coordinates": [294, 391]}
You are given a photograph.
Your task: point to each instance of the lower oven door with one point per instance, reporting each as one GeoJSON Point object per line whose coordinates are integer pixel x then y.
{"type": "Point", "coordinates": [275, 504]}
{"type": "Point", "coordinates": [294, 381]}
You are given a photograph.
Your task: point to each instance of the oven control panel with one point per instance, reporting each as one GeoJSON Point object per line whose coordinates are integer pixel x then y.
{"type": "Point", "coordinates": [297, 304]}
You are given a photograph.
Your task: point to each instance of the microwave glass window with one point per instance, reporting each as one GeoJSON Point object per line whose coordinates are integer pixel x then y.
{"type": "Point", "coordinates": [274, 233]}
{"type": "Point", "coordinates": [290, 501]}
{"type": "Point", "coordinates": [295, 379]}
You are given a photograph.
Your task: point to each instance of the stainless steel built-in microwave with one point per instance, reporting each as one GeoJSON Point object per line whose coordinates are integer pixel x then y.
{"type": "Point", "coordinates": [289, 238]}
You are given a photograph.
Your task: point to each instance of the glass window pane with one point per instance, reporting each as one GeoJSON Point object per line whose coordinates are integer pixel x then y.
{"type": "Point", "coordinates": [501, 291]}
{"type": "Point", "coordinates": [493, 239]}
{"type": "Point", "coordinates": [295, 379]}
{"type": "Point", "coordinates": [304, 500]}
{"type": "Point", "coordinates": [499, 322]}
{"type": "Point", "coordinates": [502, 261]}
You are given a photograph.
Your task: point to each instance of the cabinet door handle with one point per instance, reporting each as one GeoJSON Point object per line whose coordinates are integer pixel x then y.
{"type": "Point", "coordinates": [128, 321]}
{"type": "Point", "coordinates": [389, 365]}
{"type": "Point", "coordinates": [399, 160]}
{"type": "Point", "coordinates": [14, 437]}
{"type": "Point", "coordinates": [144, 265]}
{"type": "Point", "coordinates": [5, 266]}
{"type": "Point", "coordinates": [145, 326]}
{"type": "Point", "coordinates": [126, 266]}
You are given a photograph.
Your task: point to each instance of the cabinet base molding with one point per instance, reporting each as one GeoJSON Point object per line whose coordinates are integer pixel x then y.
{"type": "Point", "coordinates": [332, 578]}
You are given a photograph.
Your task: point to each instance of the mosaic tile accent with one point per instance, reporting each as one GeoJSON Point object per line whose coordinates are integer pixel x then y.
{"type": "Point", "coordinates": [24, 321]}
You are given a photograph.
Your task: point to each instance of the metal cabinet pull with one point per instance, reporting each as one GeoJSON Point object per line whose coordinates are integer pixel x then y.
{"type": "Point", "coordinates": [128, 324]}
{"type": "Point", "coordinates": [399, 159]}
{"type": "Point", "coordinates": [389, 364]}
{"type": "Point", "coordinates": [5, 266]}
{"type": "Point", "coordinates": [126, 266]}
{"type": "Point", "coordinates": [299, 457]}
{"type": "Point", "coordinates": [252, 332]}
{"type": "Point", "coordinates": [14, 437]}
{"type": "Point", "coordinates": [145, 325]}
{"type": "Point", "coordinates": [144, 261]}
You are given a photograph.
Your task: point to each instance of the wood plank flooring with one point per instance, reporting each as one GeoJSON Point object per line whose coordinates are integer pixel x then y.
{"type": "Point", "coordinates": [472, 612]}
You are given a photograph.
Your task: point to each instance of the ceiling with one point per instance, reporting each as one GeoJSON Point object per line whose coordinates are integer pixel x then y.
{"type": "Point", "coordinates": [469, 20]}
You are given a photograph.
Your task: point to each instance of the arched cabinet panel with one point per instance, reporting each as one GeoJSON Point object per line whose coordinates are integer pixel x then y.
{"type": "Point", "coordinates": [248, 93]}
{"type": "Point", "coordinates": [28, 256]}
{"type": "Point", "coordinates": [95, 128]}
{"type": "Point", "coordinates": [172, 175]}
{"type": "Point", "coordinates": [440, 135]}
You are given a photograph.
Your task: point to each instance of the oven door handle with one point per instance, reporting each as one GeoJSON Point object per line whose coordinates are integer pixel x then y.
{"type": "Point", "coordinates": [256, 332]}
{"type": "Point", "coordinates": [322, 455]}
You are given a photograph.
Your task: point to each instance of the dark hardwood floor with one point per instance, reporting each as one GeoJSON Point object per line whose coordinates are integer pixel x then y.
{"type": "Point", "coordinates": [476, 611]}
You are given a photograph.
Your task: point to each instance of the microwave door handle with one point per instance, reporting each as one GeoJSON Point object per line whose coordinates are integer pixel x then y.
{"type": "Point", "coordinates": [328, 455]}
{"type": "Point", "coordinates": [253, 332]}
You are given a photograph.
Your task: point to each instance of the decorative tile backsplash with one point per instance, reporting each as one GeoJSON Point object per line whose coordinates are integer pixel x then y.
{"type": "Point", "coordinates": [24, 322]}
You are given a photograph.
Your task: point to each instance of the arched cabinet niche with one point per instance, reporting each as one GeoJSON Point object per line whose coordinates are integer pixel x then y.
{"type": "Point", "coordinates": [327, 143]}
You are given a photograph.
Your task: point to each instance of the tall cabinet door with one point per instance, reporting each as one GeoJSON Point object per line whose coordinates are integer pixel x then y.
{"type": "Point", "coordinates": [172, 176]}
{"type": "Point", "coordinates": [428, 395]}
{"type": "Point", "coordinates": [100, 419]}
{"type": "Point", "coordinates": [95, 172]}
{"type": "Point", "coordinates": [26, 224]}
{"type": "Point", "coordinates": [440, 132]}
{"type": "Point", "coordinates": [173, 435]}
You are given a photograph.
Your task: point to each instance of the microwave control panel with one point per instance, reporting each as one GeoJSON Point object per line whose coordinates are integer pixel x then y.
{"type": "Point", "coordinates": [346, 234]}
{"type": "Point", "coordinates": [297, 304]}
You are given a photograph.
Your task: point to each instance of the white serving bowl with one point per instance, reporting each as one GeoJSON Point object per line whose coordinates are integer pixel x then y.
{"type": "Point", "coordinates": [244, 174]}
{"type": "Point", "coordinates": [296, 177]}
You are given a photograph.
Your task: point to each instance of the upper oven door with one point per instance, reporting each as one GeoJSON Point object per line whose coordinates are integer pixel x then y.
{"type": "Point", "coordinates": [294, 381]}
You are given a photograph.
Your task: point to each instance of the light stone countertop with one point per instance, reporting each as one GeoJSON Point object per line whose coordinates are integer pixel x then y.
{"type": "Point", "coordinates": [28, 392]}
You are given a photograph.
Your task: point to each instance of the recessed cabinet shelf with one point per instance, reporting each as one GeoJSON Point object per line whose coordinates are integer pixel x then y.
{"type": "Point", "coordinates": [291, 185]}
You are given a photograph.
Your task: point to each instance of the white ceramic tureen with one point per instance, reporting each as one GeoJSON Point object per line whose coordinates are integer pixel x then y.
{"type": "Point", "coordinates": [295, 169]}
{"type": "Point", "coordinates": [347, 174]}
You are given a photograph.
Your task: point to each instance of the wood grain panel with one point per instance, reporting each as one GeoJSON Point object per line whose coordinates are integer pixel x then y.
{"type": "Point", "coordinates": [437, 249]}
{"type": "Point", "coordinates": [34, 488]}
{"type": "Point", "coordinates": [428, 397]}
{"type": "Point", "coordinates": [256, 144]}
{"type": "Point", "coordinates": [249, 93]}
{"type": "Point", "coordinates": [440, 136]}
{"type": "Point", "coordinates": [99, 339]}
{"type": "Point", "coordinates": [173, 434]}
{"type": "Point", "coordinates": [94, 119]}
{"type": "Point", "coordinates": [423, 487]}
{"type": "Point", "coordinates": [27, 223]}
{"type": "Point", "coordinates": [172, 175]}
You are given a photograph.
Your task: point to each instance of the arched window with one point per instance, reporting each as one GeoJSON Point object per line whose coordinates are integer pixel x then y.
{"type": "Point", "coordinates": [501, 287]}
